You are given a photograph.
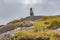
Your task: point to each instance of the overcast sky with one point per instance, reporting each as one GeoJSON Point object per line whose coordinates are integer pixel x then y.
{"type": "Point", "coordinates": [14, 9]}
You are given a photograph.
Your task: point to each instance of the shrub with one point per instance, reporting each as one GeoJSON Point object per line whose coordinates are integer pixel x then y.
{"type": "Point", "coordinates": [54, 25]}
{"type": "Point", "coordinates": [47, 23]}
{"type": "Point", "coordinates": [41, 35]}
{"type": "Point", "coordinates": [40, 25]}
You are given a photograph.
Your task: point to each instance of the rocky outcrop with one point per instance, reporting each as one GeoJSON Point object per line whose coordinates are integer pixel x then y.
{"type": "Point", "coordinates": [12, 26]}
{"type": "Point", "coordinates": [9, 34]}
{"type": "Point", "coordinates": [32, 18]}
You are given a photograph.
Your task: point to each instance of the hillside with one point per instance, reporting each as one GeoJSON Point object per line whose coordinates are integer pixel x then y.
{"type": "Point", "coordinates": [28, 21]}
{"type": "Point", "coordinates": [34, 23]}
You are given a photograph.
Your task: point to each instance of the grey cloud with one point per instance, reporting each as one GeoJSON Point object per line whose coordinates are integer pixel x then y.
{"type": "Point", "coordinates": [13, 9]}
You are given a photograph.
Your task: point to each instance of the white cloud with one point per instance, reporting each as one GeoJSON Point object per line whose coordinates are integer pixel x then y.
{"type": "Point", "coordinates": [31, 1]}
{"type": "Point", "coordinates": [24, 2]}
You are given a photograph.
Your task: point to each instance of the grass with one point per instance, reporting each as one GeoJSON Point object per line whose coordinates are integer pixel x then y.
{"type": "Point", "coordinates": [30, 34]}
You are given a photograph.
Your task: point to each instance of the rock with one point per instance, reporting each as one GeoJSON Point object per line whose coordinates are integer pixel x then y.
{"type": "Point", "coordinates": [9, 34]}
